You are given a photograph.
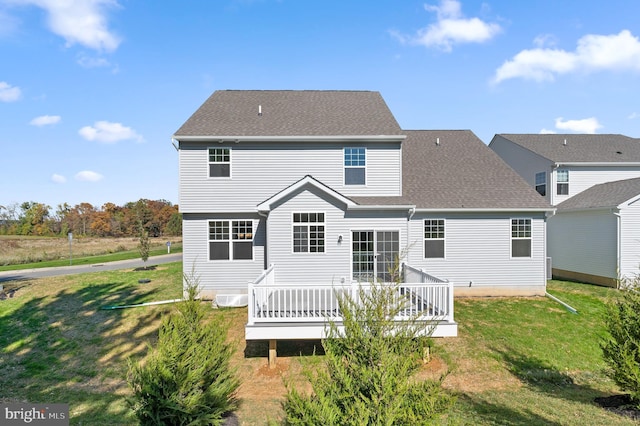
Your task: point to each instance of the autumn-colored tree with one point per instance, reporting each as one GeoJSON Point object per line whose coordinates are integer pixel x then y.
{"type": "Point", "coordinates": [35, 219]}
{"type": "Point", "coordinates": [158, 217]}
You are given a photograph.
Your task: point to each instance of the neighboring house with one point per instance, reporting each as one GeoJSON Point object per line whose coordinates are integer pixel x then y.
{"type": "Point", "coordinates": [560, 166]}
{"type": "Point", "coordinates": [595, 235]}
{"type": "Point", "coordinates": [591, 179]}
{"type": "Point", "coordinates": [289, 195]}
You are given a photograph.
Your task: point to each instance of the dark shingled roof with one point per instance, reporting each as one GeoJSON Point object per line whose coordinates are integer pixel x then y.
{"type": "Point", "coordinates": [291, 113]}
{"type": "Point", "coordinates": [609, 194]}
{"type": "Point", "coordinates": [460, 172]}
{"type": "Point", "coordinates": [580, 148]}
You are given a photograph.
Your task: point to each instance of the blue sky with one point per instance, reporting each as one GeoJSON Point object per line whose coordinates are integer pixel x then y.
{"type": "Point", "coordinates": [91, 91]}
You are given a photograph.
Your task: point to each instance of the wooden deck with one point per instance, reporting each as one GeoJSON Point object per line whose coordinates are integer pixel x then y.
{"type": "Point", "coordinates": [285, 311]}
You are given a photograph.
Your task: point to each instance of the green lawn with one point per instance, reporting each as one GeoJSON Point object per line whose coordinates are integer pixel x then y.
{"type": "Point", "coordinates": [517, 361]}
{"type": "Point", "coordinates": [530, 361]}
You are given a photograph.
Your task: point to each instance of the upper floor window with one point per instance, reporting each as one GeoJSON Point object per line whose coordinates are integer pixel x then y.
{"type": "Point", "coordinates": [541, 183]}
{"type": "Point", "coordinates": [520, 237]}
{"type": "Point", "coordinates": [231, 240]}
{"type": "Point", "coordinates": [219, 162]}
{"type": "Point", "coordinates": [434, 238]}
{"type": "Point", "coordinates": [355, 163]}
{"type": "Point", "coordinates": [563, 182]}
{"type": "Point", "coordinates": [308, 232]}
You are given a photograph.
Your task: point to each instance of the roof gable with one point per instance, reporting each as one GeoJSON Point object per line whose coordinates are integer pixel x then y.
{"type": "Point", "coordinates": [605, 195]}
{"type": "Point", "coordinates": [454, 169]}
{"type": "Point", "coordinates": [306, 181]}
{"type": "Point", "coordinates": [263, 113]}
{"type": "Point", "coordinates": [580, 148]}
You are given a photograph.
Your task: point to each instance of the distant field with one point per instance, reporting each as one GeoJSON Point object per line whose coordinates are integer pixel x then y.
{"type": "Point", "coordinates": [17, 250]}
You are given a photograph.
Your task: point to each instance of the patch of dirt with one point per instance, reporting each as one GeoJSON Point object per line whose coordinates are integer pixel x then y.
{"type": "Point", "coordinates": [619, 404]}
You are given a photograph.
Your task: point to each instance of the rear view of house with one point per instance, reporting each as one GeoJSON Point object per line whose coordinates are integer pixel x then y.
{"type": "Point", "coordinates": [289, 196]}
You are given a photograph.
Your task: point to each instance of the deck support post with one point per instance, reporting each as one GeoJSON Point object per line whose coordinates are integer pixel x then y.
{"type": "Point", "coordinates": [272, 353]}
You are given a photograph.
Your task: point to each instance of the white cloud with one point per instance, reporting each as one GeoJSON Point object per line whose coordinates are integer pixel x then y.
{"type": "Point", "coordinates": [88, 176]}
{"type": "Point", "coordinates": [92, 62]}
{"type": "Point", "coordinates": [45, 120]}
{"type": "Point", "coordinates": [586, 125]}
{"type": "Point", "coordinates": [58, 178]}
{"type": "Point", "coordinates": [633, 116]}
{"type": "Point", "coordinates": [547, 132]}
{"type": "Point", "coordinates": [616, 52]}
{"type": "Point", "coordinates": [451, 28]}
{"type": "Point", "coordinates": [9, 93]}
{"type": "Point", "coordinates": [105, 131]}
{"type": "Point", "coordinates": [81, 22]}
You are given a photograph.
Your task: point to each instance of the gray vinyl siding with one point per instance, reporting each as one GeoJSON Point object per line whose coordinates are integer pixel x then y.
{"type": "Point", "coordinates": [584, 177]}
{"type": "Point", "coordinates": [478, 251]}
{"type": "Point", "coordinates": [259, 171]}
{"type": "Point", "coordinates": [334, 265]}
{"type": "Point", "coordinates": [584, 242]}
{"type": "Point", "coordinates": [523, 161]}
{"type": "Point", "coordinates": [630, 241]}
{"type": "Point", "coordinates": [225, 275]}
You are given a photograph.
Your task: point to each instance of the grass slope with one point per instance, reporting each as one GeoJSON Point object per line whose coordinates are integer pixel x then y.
{"type": "Point", "coordinates": [523, 361]}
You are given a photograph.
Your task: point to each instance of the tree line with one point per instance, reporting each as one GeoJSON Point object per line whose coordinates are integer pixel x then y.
{"type": "Point", "coordinates": [156, 217]}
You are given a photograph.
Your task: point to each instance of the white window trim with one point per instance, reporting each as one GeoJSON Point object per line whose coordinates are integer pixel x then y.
{"type": "Point", "coordinates": [230, 163]}
{"type": "Point", "coordinates": [536, 184]}
{"type": "Point", "coordinates": [345, 167]}
{"type": "Point", "coordinates": [294, 224]}
{"type": "Point", "coordinates": [374, 230]}
{"type": "Point", "coordinates": [230, 241]}
{"type": "Point", "coordinates": [424, 239]}
{"type": "Point", "coordinates": [568, 182]}
{"type": "Point", "coordinates": [511, 238]}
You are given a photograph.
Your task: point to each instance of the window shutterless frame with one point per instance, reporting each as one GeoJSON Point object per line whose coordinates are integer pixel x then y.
{"type": "Point", "coordinates": [230, 240]}
{"type": "Point", "coordinates": [541, 183]}
{"type": "Point", "coordinates": [355, 166]}
{"type": "Point", "coordinates": [308, 232]}
{"type": "Point", "coordinates": [521, 237]}
{"type": "Point", "coordinates": [434, 239]}
{"type": "Point", "coordinates": [219, 162]}
{"type": "Point", "coordinates": [562, 177]}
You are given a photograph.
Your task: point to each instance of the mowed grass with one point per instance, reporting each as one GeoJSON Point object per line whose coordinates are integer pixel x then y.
{"type": "Point", "coordinates": [58, 346]}
{"type": "Point", "coordinates": [517, 361]}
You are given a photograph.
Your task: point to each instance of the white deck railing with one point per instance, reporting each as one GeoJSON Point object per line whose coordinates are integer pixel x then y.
{"type": "Point", "coordinates": [285, 303]}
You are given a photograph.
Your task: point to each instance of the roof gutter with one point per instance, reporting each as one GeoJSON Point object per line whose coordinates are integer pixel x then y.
{"type": "Point", "coordinates": [596, 164]}
{"type": "Point", "coordinates": [382, 207]}
{"type": "Point", "coordinates": [301, 138]}
{"type": "Point", "coordinates": [489, 210]}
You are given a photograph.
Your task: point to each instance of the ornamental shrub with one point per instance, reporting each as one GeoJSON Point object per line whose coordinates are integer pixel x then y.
{"type": "Point", "coordinates": [370, 364]}
{"type": "Point", "coordinates": [621, 344]}
{"type": "Point", "coordinates": [186, 379]}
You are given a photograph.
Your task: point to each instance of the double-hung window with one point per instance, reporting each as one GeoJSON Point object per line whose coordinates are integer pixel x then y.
{"type": "Point", "coordinates": [219, 162]}
{"type": "Point", "coordinates": [308, 233]}
{"type": "Point", "coordinates": [355, 164]}
{"type": "Point", "coordinates": [520, 237]}
{"type": "Point", "coordinates": [434, 238]}
{"type": "Point", "coordinates": [563, 181]}
{"type": "Point", "coordinates": [541, 183]}
{"type": "Point", "coordinates": [231, 240]}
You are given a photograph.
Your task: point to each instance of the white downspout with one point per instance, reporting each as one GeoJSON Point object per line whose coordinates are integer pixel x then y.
{"type": "Point", "coordinates": [619, 245]}
{"type": "Point", "coordinates": [412, 211]}
{"type": "Point", "coordinates": [266, 239]}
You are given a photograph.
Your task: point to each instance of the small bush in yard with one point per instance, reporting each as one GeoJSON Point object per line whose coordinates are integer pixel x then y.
{"type": "Point", "coordinates": [370, 365]}
{"type": "Point", "coordinates": [186, 379]}
{"type": "Point", "coordinates": [621, 347]}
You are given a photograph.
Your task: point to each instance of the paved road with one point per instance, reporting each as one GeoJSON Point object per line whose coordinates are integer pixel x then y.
{"type": "Point", "coordinates": [82, 269]}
